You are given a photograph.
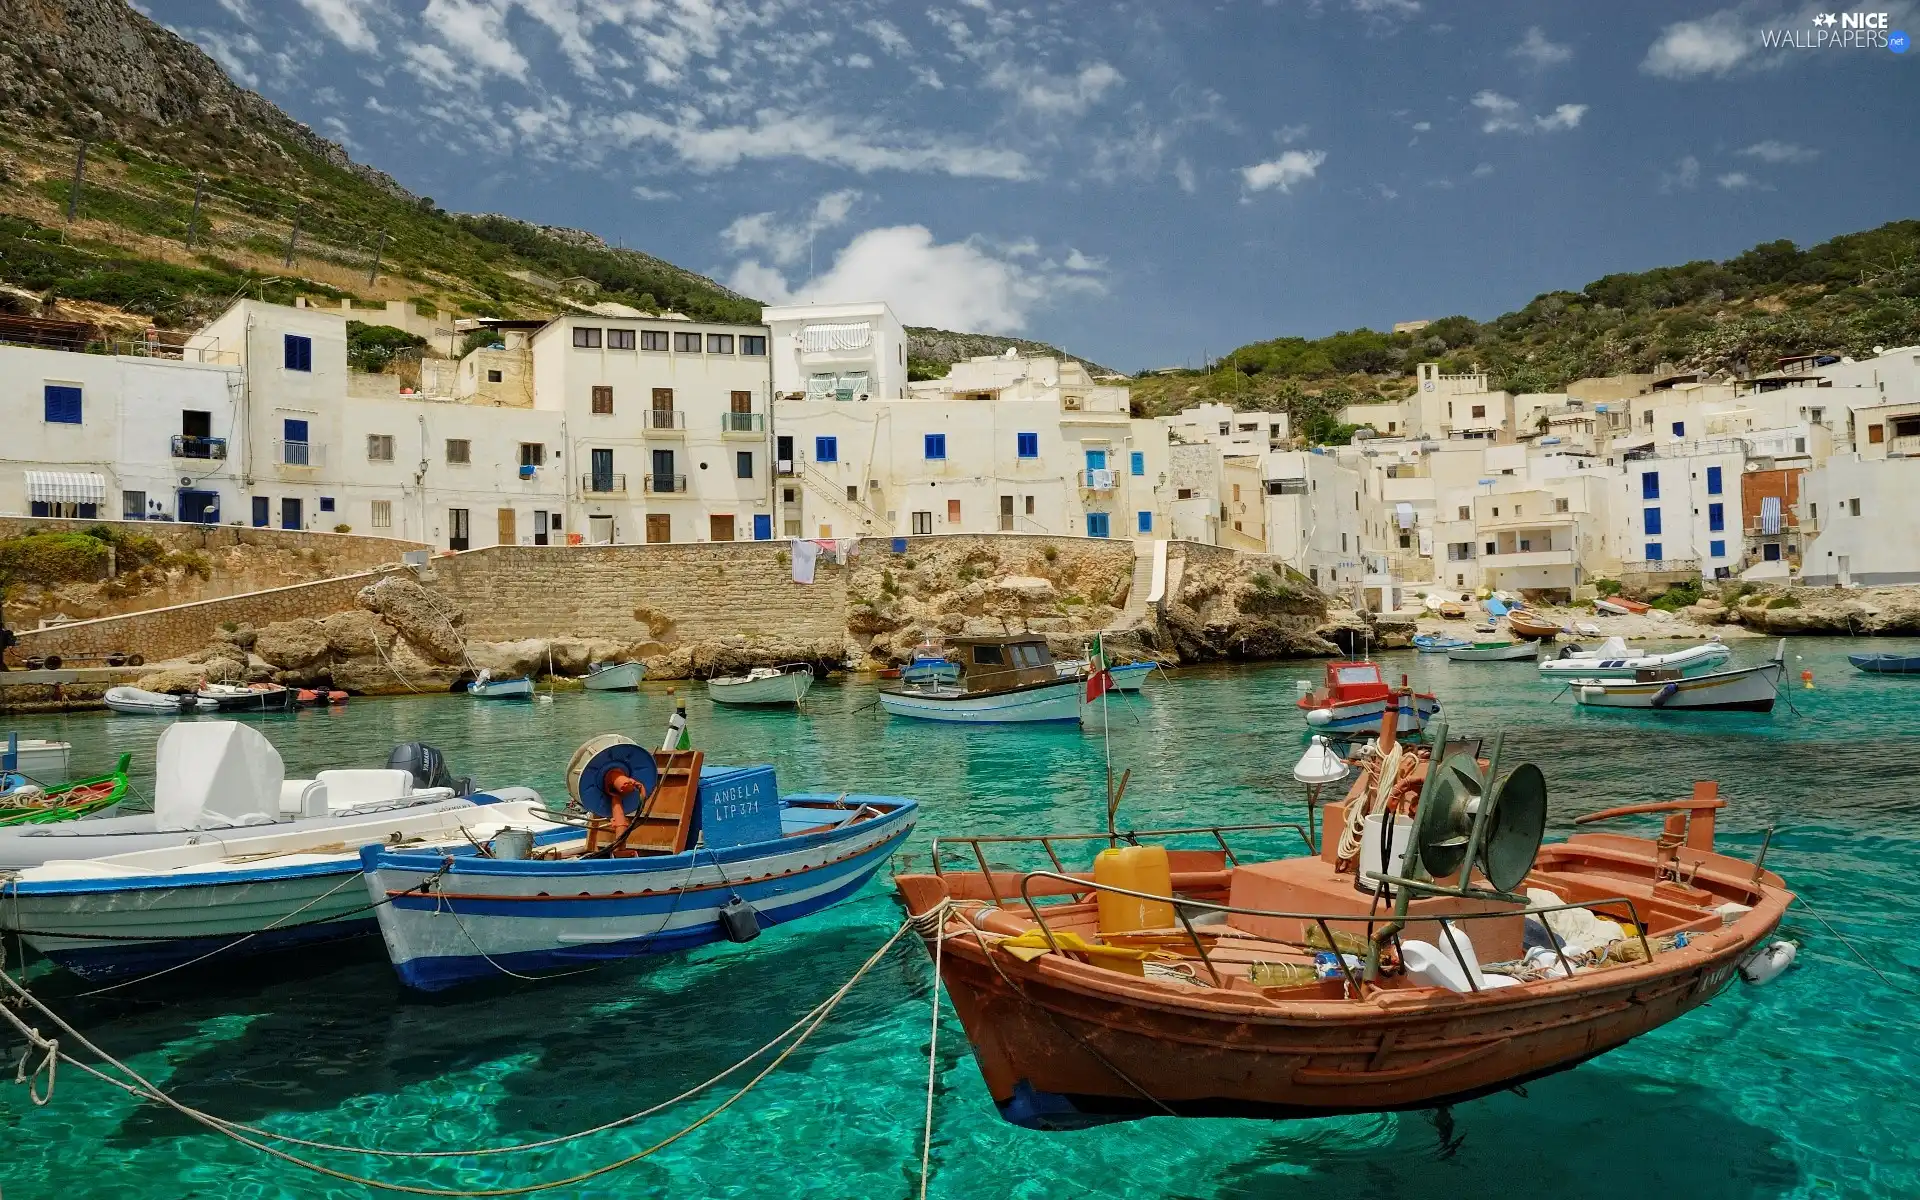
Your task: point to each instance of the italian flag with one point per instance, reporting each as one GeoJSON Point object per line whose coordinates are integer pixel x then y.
{"type": "Point", "coordinates": [677, 736]}
{"type": "Point", "coordinates": [1099, 679]}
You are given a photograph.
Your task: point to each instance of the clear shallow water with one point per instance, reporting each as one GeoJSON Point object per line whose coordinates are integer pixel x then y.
{"type": "Point", "coordinates": [1800, 1088]}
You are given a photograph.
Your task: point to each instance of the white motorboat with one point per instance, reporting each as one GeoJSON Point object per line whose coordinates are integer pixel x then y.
{"type": "Point", "coordinates": [1127, 677]}
{"type": "Point", "coordinates": [1614, 660]}
{"type": "Point", "coordinates": [763, 685]}
{"type": "Point", "coordinates": [486, 687]}
{"type": "Point", "coordinates": [134, 702]}
{"type": "Point", "coordinates": [1004, 680]}
{"type": "Point", "coordinates": [249, 698]}
{"type": "Point", "coordinates": [246, 881]}
{"type": "Point", "coordinates": [614, 677]}
{"type": "Point", "coordinates": [37, 758]}
{"type": "Point", "coordinates": [1745, 689]}
{"type": "Point", "coordinates": [1494, 652]}
{"type": "Point", "coordinates": [195, 757]}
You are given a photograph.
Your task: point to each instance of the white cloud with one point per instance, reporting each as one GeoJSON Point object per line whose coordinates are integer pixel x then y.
{"type": "Point", "coordinates": [1482, 170]}
{"type": "Point", "coordinates": [815, 138]}
{"type": "Point", "coordinates": [1293, 166]}
{"type": "Point", "coordinates": [1183, 175]}
{"type": "Point", "coordinates": [859, 60]}
{"type": "Point", "coordinates": [233, 54]}
{"type": "Point", "coordinates": [929, 78]}
{"type": "Point", "coordinates": [1536, 50]}
{"type": "Point", "coordinates": [643, 192]}
{"type": "Point", "coordinates": [1422, 126]}
{"type": "Point", "coordinates": [474, 30]}
{"type": "Point", "coordinates": [1396, 8]}
{"type": "Point", "coordinates": [1712, 45]}
{"type": "Point", "coordinates": [888, 35]}
{"type": "Point", "coordinates": [1287, 135]}
{"type": "Point", "coordinates": [1777, 152]}
{"type": "Point", "coordinates": [1386, 193]}
{"type": "Point", "coordinates": [1684, 177]}
{"type": "Point", "coordinates": [952, 285]}
{"type": "Point", "coordinates": [1077, 261]}
{"type": "Point", "coordinates": [346, 20]}
{"type": "Point", "coordinates": [1050, 95]}
{"type": "Point", "coordinates": [433, 66]}
{"type": "Point", "coordinates": [1505, 115]}
{"type": "Point", "coordinates": [1733, 181]}
{"type": "Point", "coordinates": [786, 243]}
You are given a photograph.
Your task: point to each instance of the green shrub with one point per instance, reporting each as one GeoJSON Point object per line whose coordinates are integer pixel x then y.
{"type": "Point", "coordinates": [343, 529]}
{"type": "Point", "coordinates": [49, 558]}
{"type": "Point", "coordinates": [1784, 602]}
{"type": "Point", "coordinates": [373, 348]}
{"type": "Point", "coordinates": [1606, 587]}
{"type": "Point", "coordinates": [1051, 554]}
{"type": "Point", "coordinates": [1678, 596]}
{"type": "Point", "coordinates": [888, 585]}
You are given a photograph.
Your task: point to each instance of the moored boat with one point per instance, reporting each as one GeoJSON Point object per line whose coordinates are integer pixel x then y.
{"type": "Point", "coordinates": [929, 664]}
{"type": "Point", "coordinates": [24, 803]}
{"type": "Point", "coordinates": [1127, 677]}
{"type": "Point", "coordinates": [246, 882]}
{"type": "Point", "coordinates": [1529, 624]}
{"type": "Point", "coordinates": [1621, 607]}
{"type": "Point", "coordinates": [1189, 982]}
{"type": "Point", "coordinates": [667, 856]}
{"type": "Point", "coordinates": [237, 698]}
{"type": "Point", "coordinates": [1745, 689]}
{"type": "Point", "coordinates": [486, 687]}
{"type": "Point", "coordinates": [1355, 696]}
{"type": "Point", "coordinates": [763, 685]}
{"type": "Point", "coordinates": [1884, 663]}
{"type": "Point", "coordinates": [1613, 660]}
{"type": "Point", "coordinates": [614, 677]}
{"type": "Point", "coordinates": [135, 702]}
{"type": "Point", "coordinates": [1438, 643]}
{"type": "Point", "coordinates": [1494, 652]}
{"type": "Point", "coordinates": [1011, 679]}
{"type": "Point", "coordinates": [37, 758]}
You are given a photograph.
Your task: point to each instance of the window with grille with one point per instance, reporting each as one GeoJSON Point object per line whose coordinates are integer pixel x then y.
{"type": "Point", "coordinates": [383, 514]}
{"type": "Point", "coordinates": [603, 400]}
{"type": "Point", "coordinates": [459, 451]}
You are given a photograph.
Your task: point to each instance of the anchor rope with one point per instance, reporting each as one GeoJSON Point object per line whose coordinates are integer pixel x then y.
{"type": "Point", "coordinates": [139, 1086]}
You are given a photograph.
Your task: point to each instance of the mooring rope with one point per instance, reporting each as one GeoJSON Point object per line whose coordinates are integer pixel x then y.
{"type": "Point", "coordinates": [145, 1089]}
{"type": "Point", "coordinates": [933, 1042]}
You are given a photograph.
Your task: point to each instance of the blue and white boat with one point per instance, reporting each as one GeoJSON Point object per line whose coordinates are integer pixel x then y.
{"type": "Point", "coordinates": [486, 687]}
{"type": "Point", "coordinates": [1884, 663]}
{"type": "Point", "coordinates": [1438, 643]}
{"type": "Point", "coordinates": [1003, 680]}
{"type": "Point", "coordinates": [1614, 660]}
{"type": "Point", "coordinates": [233, 877]}
{"type": "Point", "coordinates": [667, 857]}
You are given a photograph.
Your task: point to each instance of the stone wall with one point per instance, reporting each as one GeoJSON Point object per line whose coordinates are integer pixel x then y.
{"type": "Point", "coordinates": [344, 551]}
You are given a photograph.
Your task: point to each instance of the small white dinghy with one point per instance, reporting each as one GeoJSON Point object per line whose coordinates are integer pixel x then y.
{"type": "Point", "coordinates": [39, 759]}
{"type": "Point", "coordinates": [763, 685]}
{"type": "Point", "coordinates": [1494, 652]}
{"type": "Point", "coordinates": [486, 687]}
{"type": "Point", "coordinates": [134, 702]}
{"type": "Point", "coordinates": [246, 882]}
{"type": "Point", "coordinates": [614, 677]}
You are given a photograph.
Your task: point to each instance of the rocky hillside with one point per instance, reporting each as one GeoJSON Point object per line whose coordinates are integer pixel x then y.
{"type": "Point", "coordinates": [931, 351]}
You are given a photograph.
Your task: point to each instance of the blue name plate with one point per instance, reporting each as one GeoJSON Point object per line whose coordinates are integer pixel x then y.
{"type": "Point", "coordinates": [739, 805]}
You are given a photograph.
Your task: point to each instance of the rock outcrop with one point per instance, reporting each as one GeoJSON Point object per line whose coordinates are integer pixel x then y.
{"type": "Point", "coordinates": [1840, 612]}
{"type": "Point", "coordinates": [1228, 607]}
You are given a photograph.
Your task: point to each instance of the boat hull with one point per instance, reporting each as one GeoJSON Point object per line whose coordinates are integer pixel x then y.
{"type": "Point", "coordinates": [1128, 677]}
{"type": "Point", "coordinates": [1414, 713]}
{"type": "Point", "coordinates": [1698, 661]}
{"type": "Point", "coordinates": [132, 701]}
{"type": "Point", "coordinates": [621, 677]}
{"type": "Point", "coordinates": [1751, 689]}
{"type": "Point", "coordinates": [502, 689]}
{"type": "Point", "coordinates": [1886, 664]}
{"type": "Point", "coordinates": [790, 688]}
{"type": "Point", "coordinates": [485, 918]}
{"type": "Point", "coordinates": [1051, 702]}
{"type": "Point", "coordinates": [1521, 651]}
{"type": "Point", "coordinates": [41, 760]}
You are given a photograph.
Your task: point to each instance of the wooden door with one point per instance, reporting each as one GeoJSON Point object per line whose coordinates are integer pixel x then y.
{"type": "Point", "coordinates": [720, 527]}
{"type": "Point", "coordinates": [659, 527]}
{"type": "Point", "coordinates": [509, 534]}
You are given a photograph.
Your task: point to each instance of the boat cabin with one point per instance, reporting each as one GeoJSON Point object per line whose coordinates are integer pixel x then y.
{"type": "Point", "coordinates": [997, 664]}
{"type": "Point", "coordinates": [1348, 682]}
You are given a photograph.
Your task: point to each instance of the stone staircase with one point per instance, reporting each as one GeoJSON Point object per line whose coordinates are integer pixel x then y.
{"type": "Point", "coordinates": [1139, 608]}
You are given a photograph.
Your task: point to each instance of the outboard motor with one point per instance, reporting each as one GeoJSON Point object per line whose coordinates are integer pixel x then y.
{"type": "Point", "coordinates": [1570, 649]}
{"type": "Point", "coordinates": [428, 767]}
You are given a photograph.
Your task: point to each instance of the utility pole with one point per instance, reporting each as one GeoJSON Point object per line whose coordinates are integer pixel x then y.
{"type": "Point", "coordinates": [293, 239]}
{"type": "Point", "coordinates": [199, 194]}
{"type": "Point", "coordinates": [79, 177]}
{"type": "Point", "coordinates": [378, 250]}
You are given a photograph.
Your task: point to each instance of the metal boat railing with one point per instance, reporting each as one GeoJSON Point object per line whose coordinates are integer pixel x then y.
{"type": "Point", "coordinates": [1321, 920]}
{"type": "Point", "coordinates": [1130, 836]}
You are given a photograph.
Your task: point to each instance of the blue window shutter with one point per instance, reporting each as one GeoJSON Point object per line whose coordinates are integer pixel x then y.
{"type": "Point", "coordinates": [326, 504]}
{"type": "Point", "coordinates": [294, 431]}
{"type": "Point", "coordinates": [1652, 518]}
{"type": "Point", "coordinates": [1653, 552]}
{"type": "Point", "coordinates": [1713, 481]}
{"type": "Point", "coordinates": [1717, 549]}
{"type": "Point", "coordinates": [936, 445]}
{"type": "Point", "coordinates": [762, 527]}
{"type": "Point", "coordinates": [298, 353]}
{"type": "Point", "coordinates": [1716, 517]}
{"type": "Point", "coordinates": [1146, 522]}
{"type": "Point", "coordinates": [260, 510]}
{"type": "Point", "coordinates": [1096, 460]}
{"type": "Point", "coordinates": [1679, 429]}
{"type": "Point", "coordinates": [1027, 445]}
{"type": "Point", "coordinates": [62, 404]}
{"type": "Point", "coordinates": [1138, 462]}
{"type": "Point", "coordinates": [1097, 524]}
{"type": "Point", "coordinates": [826, 449]}
{"type": "Point", "coordinates": [1649, 485]}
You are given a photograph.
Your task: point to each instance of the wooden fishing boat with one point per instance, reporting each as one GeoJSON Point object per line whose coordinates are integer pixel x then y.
{"type": "Point", "coordinates": [763, 685]}
{"type": "Point", "coordinates": [1886, 664]}
{"type": "Point", "coordinates": [237, 698]}
{"type": "Point", "coordinates": [486, 687]}
{"type": "Point", "coordinates": [320, 697]}
{"type": "Point", "coordinates": [1453, 611]}
{"type": "Point", "coordinates": [1127, 677]}
{"type": "Point", "coordinates": [1354, 697]}
{"type": "Point", "coordinates": [614, 677]}
{"type": "Point", "coordinates": [1189, 982]}
{"type": "Point", "coordinates": [1438, 643]}
{"type": "Point", "coordinates": [30, 804]}
{"type": "Point", "coordinates": [929, 664]}
{"type": "Point", "coordinates": [1528, 624]}
{"type": "Point", "coordinates": [1003, 680]}
{"type": "Point", "coordinates": [1621, 607]}
{"type": "Point", "coordinates": [1746, 689]}
{"type": "Point", "coordinates": [1494, 652]}
{"type": "Point", "coordinates": [663, 856]}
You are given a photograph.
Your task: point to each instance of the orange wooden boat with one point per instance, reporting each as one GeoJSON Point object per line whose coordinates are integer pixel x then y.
{"type": "Point", "coordinates": [1526, 624]}
{"type": "Point", "coordinates": [1234, 1006]}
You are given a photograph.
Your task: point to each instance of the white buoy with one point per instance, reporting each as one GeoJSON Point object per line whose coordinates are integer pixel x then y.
{"type": "Point", "coordinates": [1319, 765]}
{"type": "Point", "coordinates": [1766, 963]}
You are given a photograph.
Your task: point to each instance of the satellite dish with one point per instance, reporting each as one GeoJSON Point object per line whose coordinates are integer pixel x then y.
{"type": "Point", "coordinates": [1514, 813]}
{"type": "Point", "coordinates": [1320, 765]}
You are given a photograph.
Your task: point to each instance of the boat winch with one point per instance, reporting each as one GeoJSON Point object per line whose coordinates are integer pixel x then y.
{"type": "Point", "coordinates": [610, 777]}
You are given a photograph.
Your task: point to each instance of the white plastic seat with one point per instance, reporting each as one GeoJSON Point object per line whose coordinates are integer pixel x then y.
{"type": "Point", "coordinates": [354, 787]}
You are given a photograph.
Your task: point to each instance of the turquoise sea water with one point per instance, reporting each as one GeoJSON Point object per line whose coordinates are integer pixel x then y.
{"type": "Point", "coordinates": [1801, 1088]}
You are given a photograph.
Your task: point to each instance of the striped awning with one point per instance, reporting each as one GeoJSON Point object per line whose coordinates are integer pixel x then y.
{"type": "Point", "coordinates": [66, 487]}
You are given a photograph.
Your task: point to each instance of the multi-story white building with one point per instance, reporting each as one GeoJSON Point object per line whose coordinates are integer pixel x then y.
{"type": "Point", "coordinates": [94, 435]}
{"type": "Point", "coordinates": [843, 352]}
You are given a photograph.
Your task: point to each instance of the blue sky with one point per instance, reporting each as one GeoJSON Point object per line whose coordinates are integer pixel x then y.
{"type": "Point", "coordinates": [1138, 183]}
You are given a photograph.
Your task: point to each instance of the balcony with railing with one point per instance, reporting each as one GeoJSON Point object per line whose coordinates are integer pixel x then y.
{"type": "Point", "coordinates": [1099, 480]}
{"type": "Point", "coordinates": [661, 484]}
{"type": "Point", "coordinates": [665, 420]}
{"type": "Point", "coordinates": [299, 454]}
{"type": "Point", "coordinates": [187, 445]}
{"type": "Point", "coordinates": [603, 484]}
{"type": "Point", "coordinates": [1903, 447]}
{"type": "Point", "coordinates": [743, 422]}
